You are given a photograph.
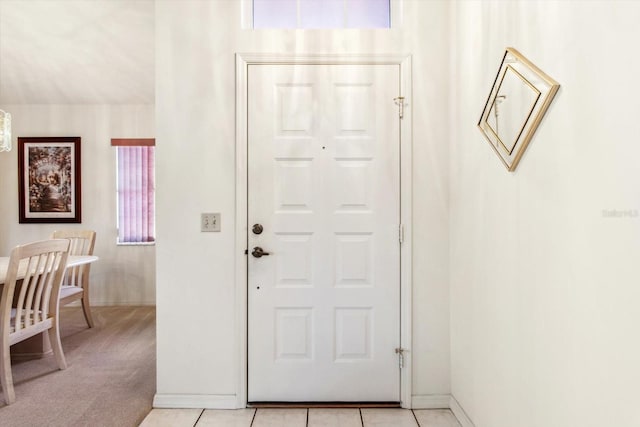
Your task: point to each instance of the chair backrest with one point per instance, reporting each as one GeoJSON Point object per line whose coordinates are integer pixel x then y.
{"type": "Point", "coordinates": [82, 243]}
{"type": "Point", "coordinates": [40, 268]}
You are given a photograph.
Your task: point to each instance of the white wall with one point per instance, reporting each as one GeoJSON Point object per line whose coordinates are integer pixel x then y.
{"type": "Point", "coordinates": [125, 275]}
{"type": "Point", "coordinates": [195, 115]}
{"type": "Point", "coordinates": [544, 285]}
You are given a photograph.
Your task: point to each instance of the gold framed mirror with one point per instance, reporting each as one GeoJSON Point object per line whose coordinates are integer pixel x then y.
{"type": "Point", "coordinates": [520, 96]}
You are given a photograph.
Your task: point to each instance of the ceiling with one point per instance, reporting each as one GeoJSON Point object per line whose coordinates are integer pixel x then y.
{"type": "Point", "coordinates": [77, 52]}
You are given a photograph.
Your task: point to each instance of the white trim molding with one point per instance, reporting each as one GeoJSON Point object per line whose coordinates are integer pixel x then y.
{"type": "Point", "coordinates": [459, 413]}
{"type": "Point", "coordinates": [243, 60]}
{"type": "Point", "coordinates": [430, 401]}
{"type": "Point", "coordinates": [195, 401]}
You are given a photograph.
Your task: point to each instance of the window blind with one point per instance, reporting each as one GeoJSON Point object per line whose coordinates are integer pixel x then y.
{"type": "Point", "coordinates": [136, 190]}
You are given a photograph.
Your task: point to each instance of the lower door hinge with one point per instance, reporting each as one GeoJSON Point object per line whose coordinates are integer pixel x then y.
{"type": "Point", "coordinates": [400, 352]}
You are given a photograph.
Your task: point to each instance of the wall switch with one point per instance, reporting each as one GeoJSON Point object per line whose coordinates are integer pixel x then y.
{"type": "Point", "coordinates": [210, 222]}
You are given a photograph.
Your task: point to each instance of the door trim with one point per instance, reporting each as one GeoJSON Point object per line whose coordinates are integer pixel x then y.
{"type": "Point", "coordinates": [243, 60]}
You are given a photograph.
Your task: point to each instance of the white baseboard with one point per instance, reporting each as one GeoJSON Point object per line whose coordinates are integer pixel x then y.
{"type": "Point", "coordinates": [459, 413]}
{"type": "Point", "coordinates": [230, 401]}
{"type": "Point", "coordinates": [196, 401]}
{"type": "Point", "coordinates": [430, 401]}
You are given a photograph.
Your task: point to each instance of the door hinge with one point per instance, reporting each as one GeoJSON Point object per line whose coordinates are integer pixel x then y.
{"type": "Point", "coordinates": [400, 103]}
{"type": "Point", "coordinates": [400, 352]}
{"type": "Point", "coordinates": [401, 233]}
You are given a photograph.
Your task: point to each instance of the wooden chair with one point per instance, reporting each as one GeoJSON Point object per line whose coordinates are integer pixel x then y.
{"type": "Point", "coordinates": [76, 282]}
{"type": "Point", "coordinates": [29, 306]}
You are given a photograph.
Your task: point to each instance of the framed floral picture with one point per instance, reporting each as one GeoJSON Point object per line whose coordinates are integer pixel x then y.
{"type": "Point", "coordinates": [49, 179]}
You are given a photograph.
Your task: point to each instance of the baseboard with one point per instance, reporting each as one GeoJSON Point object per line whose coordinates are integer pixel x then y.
{"type": "Point", "coordinates": [430, 401]}
{"type": "Point", "coordinates": [459, 413]}
{"type": "Point", "coordinates": [196, 401]}
{"type": "Point", "coordinates": [230, 401]}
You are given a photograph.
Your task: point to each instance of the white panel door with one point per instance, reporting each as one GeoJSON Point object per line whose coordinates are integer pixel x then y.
{"type": "Point", "coordinates": [324, 184]}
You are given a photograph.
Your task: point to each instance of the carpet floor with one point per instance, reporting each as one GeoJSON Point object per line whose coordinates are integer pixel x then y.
{"type": "Point", "coordinates": [110, 379]}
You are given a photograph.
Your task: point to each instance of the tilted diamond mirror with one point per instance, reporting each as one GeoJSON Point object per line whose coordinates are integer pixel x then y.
{"type": "Point", "coordinates": [520, 96]}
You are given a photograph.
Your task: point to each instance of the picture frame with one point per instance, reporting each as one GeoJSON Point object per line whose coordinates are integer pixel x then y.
{"type": "Point", "coordinates": [49, 178]}
{"type": "Point", "coordinates": [518, 100]}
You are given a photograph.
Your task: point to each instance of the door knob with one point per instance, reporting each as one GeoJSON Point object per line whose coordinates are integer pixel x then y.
{"type": "Point", "coordinates": [257, 229]}
{"type": "Point", "coordinates": [258, 252]}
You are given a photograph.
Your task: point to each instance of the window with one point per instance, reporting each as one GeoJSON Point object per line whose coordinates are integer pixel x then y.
{"type": "Point", "coordinates": [321, 14]}
{"type": "Point", "coordinates": [135, 163]}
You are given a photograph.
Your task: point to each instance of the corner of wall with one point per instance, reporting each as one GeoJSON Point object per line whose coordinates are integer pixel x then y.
{"type": "Point", "coordinates": [430, 401]}
{"type": "Point", "coordinates": [460, 413]}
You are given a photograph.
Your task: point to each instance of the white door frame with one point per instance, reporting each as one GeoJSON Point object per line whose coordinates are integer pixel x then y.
{"type": "Point", "coordinates": [241, 230]}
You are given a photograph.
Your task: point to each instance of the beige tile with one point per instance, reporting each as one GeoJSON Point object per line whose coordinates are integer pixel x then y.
{"type": "Point", "coordinates": [280, 418]}
{"type": "Point", "coordinates": [436, 418]}
{"type": "Point", "coordinates": [388, 418]}
{"type": "Point", "coordinates": [171, 418]}
{"type": "Point", "coordinates": [226, 418]}
{"type": "Point", "coordinates": [334, 418]}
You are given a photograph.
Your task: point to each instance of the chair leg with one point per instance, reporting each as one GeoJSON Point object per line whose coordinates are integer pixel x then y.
{"type": "Point", "coordinates": [6, 375]}
{"type": "Point", "coordinates": [56, 345]}
{"type": "Point", "coordinates": [86, 308]}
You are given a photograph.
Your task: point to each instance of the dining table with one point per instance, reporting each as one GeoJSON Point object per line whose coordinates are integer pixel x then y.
{"type": "Point", "coordinates": [38, 345]}
{"type": "Point", "coordinates": [72, 261]}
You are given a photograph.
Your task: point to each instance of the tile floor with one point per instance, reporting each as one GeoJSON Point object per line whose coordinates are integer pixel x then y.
{"type": "Point", "coordinates": [312, 417]}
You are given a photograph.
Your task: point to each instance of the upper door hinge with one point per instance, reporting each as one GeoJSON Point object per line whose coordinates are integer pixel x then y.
{"type": "Point", "coordinates": [400, 103]}
{"type": "Point", "coordinates": [400, 352]}
{"type": "Point", "coordinates": [401, 233]}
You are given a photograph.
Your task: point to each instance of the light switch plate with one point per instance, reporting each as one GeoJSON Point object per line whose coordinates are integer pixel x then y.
{"type": "Point", "coordinates": [210, 222]}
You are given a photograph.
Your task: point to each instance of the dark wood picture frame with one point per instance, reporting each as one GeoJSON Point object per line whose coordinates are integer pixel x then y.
{"type": "Point", "coordinates": [49, 180]}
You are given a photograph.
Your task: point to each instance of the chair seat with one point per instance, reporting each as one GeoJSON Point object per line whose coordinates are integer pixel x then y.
{"type": "Point", "coordinates": [76, 284]}
{"type": "Point", "coordinates": [28, 331]}
{"type": "Point", "coordinates": [29, 303]}
{"type": "Point", "coordinates": [12, 320]}
{"type": "Point", "coordinates": [67, 291]}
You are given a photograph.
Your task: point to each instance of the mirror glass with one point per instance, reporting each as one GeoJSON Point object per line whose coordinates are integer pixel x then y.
{"type": "Point", "coordinates": [511, 108]}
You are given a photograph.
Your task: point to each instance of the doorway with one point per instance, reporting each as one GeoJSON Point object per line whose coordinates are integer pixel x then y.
{"type": "Point", "coordinates": [324, 232]}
